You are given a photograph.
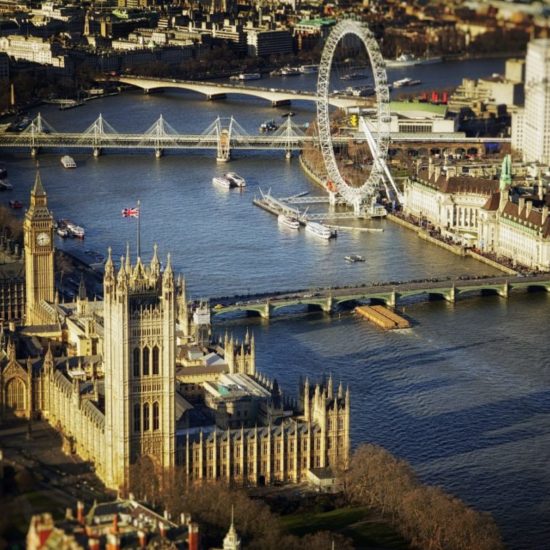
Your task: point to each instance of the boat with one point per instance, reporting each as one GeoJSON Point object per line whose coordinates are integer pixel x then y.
{"type": "Point", "coordinates": [268, 126]}
{"type": "Point", "coordinates": [15, 204]}
{"type": "Point", "coordinates": [63, 232]}
{"type": "Point", "coordinates": [5, 185]}
{"type": "Point", "coordinates": [68, 162]}
{"type": "Point", "coordinates": [74, 230]}
{"type": "Point", "coordinates": [290, 113]}
{"type": "Point", "coordinates": [235, 179]}
{"type": "Point", "coordinates": [3, 173]}
{"type": "Point", "coordinates": [309, 69]}
{"type": "Point", "coordinates": [288, 221]}
{"type": "Point", "coordinates": [222, 182]}
{"type": "Point", "coordinates": [290, 71]}
{"type": "Point", "coordinates": [352, 258]}
{"type": "Point", "coordinates": [249, 76]}
{"type": "Point", "coordinates": [403, 60]}
{"type": "Point", "coordinates": [320, 230]}
{"type": "Point", "coordinates": [402, 82]}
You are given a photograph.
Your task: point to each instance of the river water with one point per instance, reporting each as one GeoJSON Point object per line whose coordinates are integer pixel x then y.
{"type": "Point", "coordinates": [464, 395]}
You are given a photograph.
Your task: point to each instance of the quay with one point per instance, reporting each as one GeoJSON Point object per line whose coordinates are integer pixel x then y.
{"type": "Point", "coordinates": [390, 294]}
{"type": "Point", "coordinates": [382, 317]}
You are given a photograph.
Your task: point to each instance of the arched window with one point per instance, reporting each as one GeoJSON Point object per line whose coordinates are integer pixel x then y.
{"type": "Point", "coordinates": [145, 363]}
{"type": "Point", "coordinates": [156, 418]}
{"type": "Point", "coordinates": [146, 417]}
{"type": "Point", "coordinates": [155, 360]}
{"type": "Point", "coordinates": [137, 417]}
{"type": "Point", "coordinates": [16, 398]}
{"type": "Point", "coordinates": [136, 362]}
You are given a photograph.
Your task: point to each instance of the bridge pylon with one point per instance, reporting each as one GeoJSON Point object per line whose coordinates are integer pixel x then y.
{"type": "Point", "coordinates": [99, 131]}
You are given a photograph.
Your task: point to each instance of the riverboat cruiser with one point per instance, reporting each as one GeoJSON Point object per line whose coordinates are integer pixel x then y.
{"type": "Point", "coordinates": [320, 230]}
{"type": "Point", "coordinates": [290, 71]}
{"type": "Point", "coordinates": [68, 162]}
{"type": "Point", "coordinates": [63, 232]}
{"type": "Point", "coordinates": [15, 204]}
{"type": "Point", "coordinates": [355, 75]}
{"type": "Point", "coordinates": [288, 221]}
{"type": "Point", "coordinates": [235, 179]}
{"type": "Point", "coordinates": [222, 181]}
{"type": "Point", "coordinates": [406, 82]}
{"type": "Point", "coordinates": [353, 258]}
{"type": "Point", "coordinates": [309, 69]}
{"type": "Point", "coordinates": [250, 76]}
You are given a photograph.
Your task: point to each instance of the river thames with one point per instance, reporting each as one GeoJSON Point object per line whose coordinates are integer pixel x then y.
{"type": "Point", "coordinates": [464, 395]}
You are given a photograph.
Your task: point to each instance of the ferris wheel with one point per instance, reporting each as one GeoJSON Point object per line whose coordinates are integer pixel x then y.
{"type": "Point", "coordinates": [375, 128]}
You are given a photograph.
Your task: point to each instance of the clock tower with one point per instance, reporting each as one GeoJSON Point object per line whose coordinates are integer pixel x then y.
{"type": "Point", "coordinates": [39, 251]}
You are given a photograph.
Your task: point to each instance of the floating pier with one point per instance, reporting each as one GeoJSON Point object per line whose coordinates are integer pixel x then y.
{"type": "Point", "coordinates": [383, 317]}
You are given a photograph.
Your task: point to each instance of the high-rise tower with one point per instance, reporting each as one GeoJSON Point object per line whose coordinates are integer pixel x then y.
{"type": "Point", "coordinates": [39, 253]}
{"type": "Point", "coordinates": [139, 355]}
{"type": "Point", "coordinates": [536, 118]}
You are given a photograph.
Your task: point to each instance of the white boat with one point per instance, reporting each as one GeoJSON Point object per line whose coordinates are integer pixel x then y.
{"type": "Point", "coordinates": [403, 60]}
{"type": "Point", "coordinates": [68, 162]}
{"type": "Point", "coordinates": [5, 185]}
{"type": "Point", "coordinates": [287, 221]}
{"type": "Point", "coordinates": [235, 179]}
{"type": "Point", "coordinates": [352, 258]}
{"type": "Point", "coordinates": [402, 82]}
{"type": "Point", "coordinates": [222, 182]}
{"type": "Point", "coordinates": [309, 69]}
{"type": "Point", "coordinates": [250, 76]}
{"type": "Point", "coordinates": [290, 71]}
{"type": "Point", "coordinates": [320, 230]}
{"type": "Point", "coordinates": [75, 230]}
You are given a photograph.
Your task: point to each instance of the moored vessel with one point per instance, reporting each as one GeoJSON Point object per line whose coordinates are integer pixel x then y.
{"type": "Point", "coordinates": [15, 204]}
{"type": "Point", "coordinates": [249, 76]}
{"type": "Point", "coordinates": [68, 162]}
{"type": "Point", "coordinates": [288, 221]}
{"type": "Point", "coordinates": [290, 71]}
{"type": "Point", "coordinates": [320, 230]}
{"type": "Point", "coordinates": [309, 69]}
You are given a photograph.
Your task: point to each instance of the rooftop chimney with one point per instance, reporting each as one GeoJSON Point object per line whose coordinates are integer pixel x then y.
{"type": "Point", "coordinates": [113, 542]}
{"type": "Point", "coordinates": [142, 536]}
{"type": "Point", "coordinates": [521, 204]}
{"type": "Point", "coordinates": [544, 213]}
{"type": "Point", "coordinates": [93, 543]}
{"type": "Point", "coordinates": [162, 529]}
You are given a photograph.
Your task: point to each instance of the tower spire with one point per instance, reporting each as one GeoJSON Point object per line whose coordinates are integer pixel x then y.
{"type": "Point", "coordinates": [38, 189]}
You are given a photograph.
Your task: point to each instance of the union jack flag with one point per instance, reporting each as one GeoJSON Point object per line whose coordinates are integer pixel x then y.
{"type": "Point", "coordinates": [130, 212]}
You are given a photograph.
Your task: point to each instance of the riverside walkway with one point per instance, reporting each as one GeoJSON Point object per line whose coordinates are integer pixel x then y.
{"type": "Point", "coordinates": [390, 294]}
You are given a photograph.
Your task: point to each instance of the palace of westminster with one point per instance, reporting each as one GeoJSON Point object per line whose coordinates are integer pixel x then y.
{"type": "Point", "coordinates": [137, 379]}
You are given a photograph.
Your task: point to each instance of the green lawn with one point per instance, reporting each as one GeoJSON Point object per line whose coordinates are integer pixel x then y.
{"type": "Point", "coordinates": [358, 523]}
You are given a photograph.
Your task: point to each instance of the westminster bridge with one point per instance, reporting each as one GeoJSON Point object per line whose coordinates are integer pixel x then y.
{"type": "Point", "coordinates": [391, 294]}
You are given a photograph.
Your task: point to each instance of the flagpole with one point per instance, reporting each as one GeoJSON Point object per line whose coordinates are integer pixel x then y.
{"type": "Point", "coordinates": [138, 229]}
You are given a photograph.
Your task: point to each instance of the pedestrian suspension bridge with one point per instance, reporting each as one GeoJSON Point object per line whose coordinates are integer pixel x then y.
{"type": "Point", "coordinates": [223, 136]}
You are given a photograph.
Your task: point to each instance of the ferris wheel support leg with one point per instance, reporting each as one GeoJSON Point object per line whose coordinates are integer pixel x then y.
{"type": "Point", "coordinates": [358, 208]}
{"type": "Point", "coordinates": [332, 198]}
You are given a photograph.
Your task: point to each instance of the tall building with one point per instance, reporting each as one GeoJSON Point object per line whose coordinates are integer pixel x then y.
{"type": "Point", "coordinates": [39, 251]}
{"type": "Point", "coordinates": [139, 348]}
{"type": "Point", "coordinates": [536, 119]}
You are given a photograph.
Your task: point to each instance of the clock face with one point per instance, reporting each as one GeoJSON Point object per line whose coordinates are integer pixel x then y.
{"type": "Point", "coordinates": [42, 239]}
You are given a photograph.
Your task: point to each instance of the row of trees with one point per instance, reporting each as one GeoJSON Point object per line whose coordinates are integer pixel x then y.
{"type": "Point", "coordinates": [211, 505]}
{"type": "Point", "coordinates": [425, 515]}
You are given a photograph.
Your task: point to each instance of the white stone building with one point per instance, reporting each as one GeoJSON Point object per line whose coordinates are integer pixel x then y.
{"type": "Point", "coordinates": [451, 204]}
